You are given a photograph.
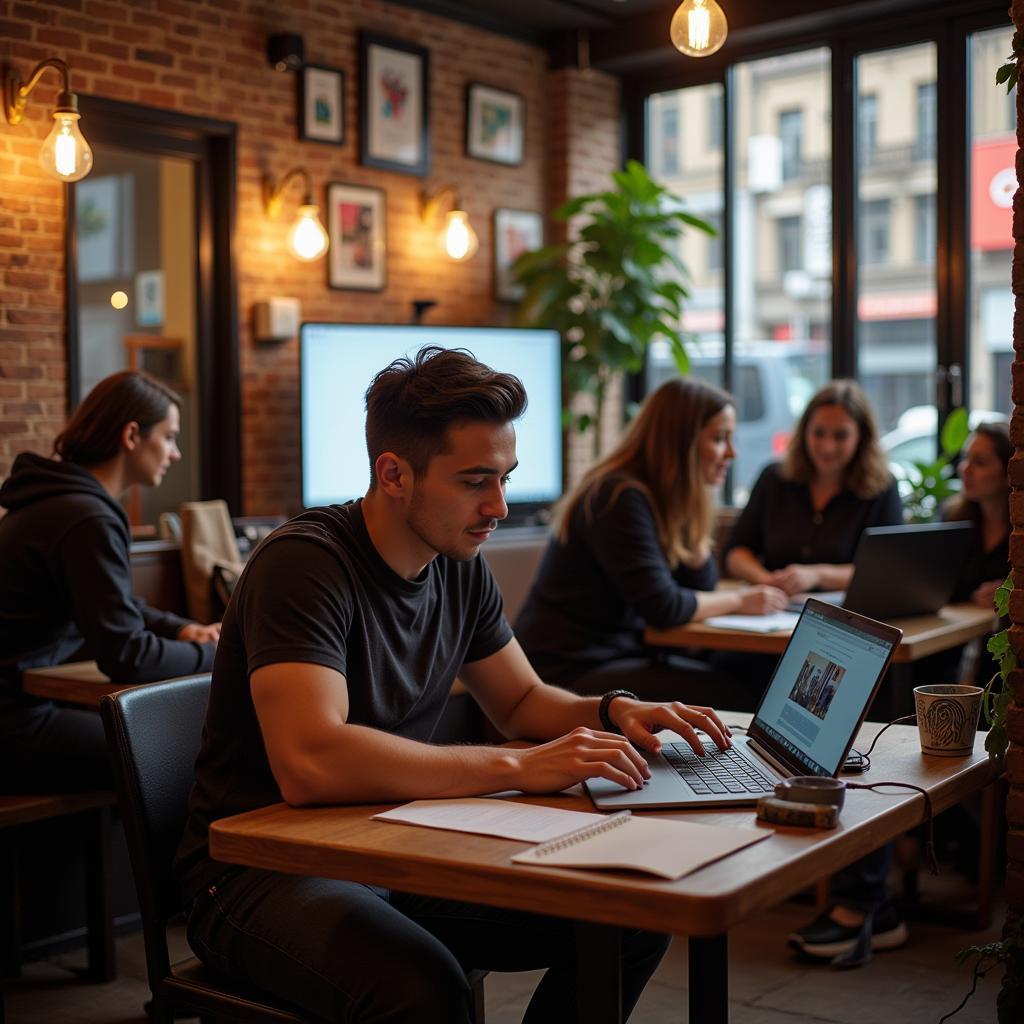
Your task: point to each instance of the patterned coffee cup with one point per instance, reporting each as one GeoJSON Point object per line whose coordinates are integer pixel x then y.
{"type": "Point", "coordinates": [947, 718]}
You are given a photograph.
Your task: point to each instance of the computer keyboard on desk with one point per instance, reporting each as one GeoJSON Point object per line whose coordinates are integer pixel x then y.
{"type": "Point", "coordinates": [718, 771]}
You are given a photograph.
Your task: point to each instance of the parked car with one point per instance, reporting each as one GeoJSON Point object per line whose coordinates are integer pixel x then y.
{"type": "Point", "coordinates": [772, 382]}
{"type": "Point", "coordinates": [914, 438]}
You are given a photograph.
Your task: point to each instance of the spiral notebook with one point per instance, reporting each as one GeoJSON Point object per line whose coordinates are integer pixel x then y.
{"type": "Point", "coordinates": [657, 846]}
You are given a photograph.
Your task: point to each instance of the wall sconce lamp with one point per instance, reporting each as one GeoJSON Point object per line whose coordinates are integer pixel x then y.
{"type": "Point", "coordinates": [456, 239]}
{"type": "Point", "coordinates": [65, 154]}
{"type": "Point", "coordinates": [307, 238]}
{"type": "Point", "coordinates": [698, 28]}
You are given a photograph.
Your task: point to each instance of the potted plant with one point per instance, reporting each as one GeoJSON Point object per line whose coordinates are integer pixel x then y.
{"type": "Point", "coordinates": [613, 289]}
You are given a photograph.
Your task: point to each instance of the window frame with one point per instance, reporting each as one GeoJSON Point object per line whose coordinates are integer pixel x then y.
{"type": "Point", "coordinates": [949, 29]}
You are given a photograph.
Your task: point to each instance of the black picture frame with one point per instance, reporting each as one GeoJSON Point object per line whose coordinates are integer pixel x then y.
{"type": "Point", "coordinates": [357, 259]}
{"type": "Point", "coordinates": [495, 124]}
{"type": "Point", "coordinates": [394, 87]}
{"type": "Point", "coordinates": [321, 113]}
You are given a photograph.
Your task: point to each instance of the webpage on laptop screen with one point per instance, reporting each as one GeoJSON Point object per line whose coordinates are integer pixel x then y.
{"type": "Point", "coordinates": [820, 688]}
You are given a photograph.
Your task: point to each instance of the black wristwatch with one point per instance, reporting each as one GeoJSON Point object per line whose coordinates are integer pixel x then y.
{"type": "Point", "coordinates": [602, 708]}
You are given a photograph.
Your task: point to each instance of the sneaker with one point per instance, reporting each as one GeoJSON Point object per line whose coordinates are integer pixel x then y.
{"type": "Point", "coordinates": [824, 939]}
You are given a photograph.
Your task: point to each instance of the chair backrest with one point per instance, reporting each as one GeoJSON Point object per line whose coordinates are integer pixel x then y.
{"type": "Point", "coordinates": [153, 733]}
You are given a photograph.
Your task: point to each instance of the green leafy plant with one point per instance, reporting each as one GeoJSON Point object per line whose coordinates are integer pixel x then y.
{"type": "Point", "coordinates": [928, 484]}
{"type": "Point", "coordinates": [1008, 72]}
{"type": "Point", "coordinates": [996, 703]}
{"type": "Point", "coordinates": [614, 289]}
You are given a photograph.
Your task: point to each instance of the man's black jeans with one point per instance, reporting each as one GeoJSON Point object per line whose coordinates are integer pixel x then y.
{"type": "Point", "coordinates": [346, 952]}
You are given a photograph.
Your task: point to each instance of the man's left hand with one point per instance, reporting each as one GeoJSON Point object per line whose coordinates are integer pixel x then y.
{"type": "Point", "coordinates": [639, 720]}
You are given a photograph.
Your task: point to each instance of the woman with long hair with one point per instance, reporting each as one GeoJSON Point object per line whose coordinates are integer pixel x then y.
{"type": "Point", "coordinates": [65, 580]}
{"type": "Point", "coordinates": [632, 548]}
{"type": "Point", "coordinates": [800, 527]}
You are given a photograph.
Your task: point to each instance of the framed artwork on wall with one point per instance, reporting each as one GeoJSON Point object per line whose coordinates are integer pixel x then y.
{"type": "Point", "coordinates": [495, 124]}
{"type": "Point", "coordinates": [356, 225]}
{"type": "Point", "coordinates": [515, 232]}
{"type": "Point", "coordinates": [394, 109]}
{"type": "Point", "coordinates": [322, 104]}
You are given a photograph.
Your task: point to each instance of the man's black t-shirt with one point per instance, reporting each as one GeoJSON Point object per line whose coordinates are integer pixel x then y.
{"type": "Point", "coordinates": [317, 591]}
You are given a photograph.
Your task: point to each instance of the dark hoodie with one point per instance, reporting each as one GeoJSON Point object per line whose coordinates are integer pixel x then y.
{"type": "Point", "coordinates": [65, 580]}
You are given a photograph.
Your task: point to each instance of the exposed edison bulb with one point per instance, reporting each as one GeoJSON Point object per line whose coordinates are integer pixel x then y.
{"type": "Point", "coordinates": [65, 154]}
{"type": "Point", "coordinates": [698, 28]}
{"type": "Point", "coordinates": [119, 300]}
{"type": "Point", "coordinates": [307, 238]}
{"type": "Point", "coordinates": [457, 238]}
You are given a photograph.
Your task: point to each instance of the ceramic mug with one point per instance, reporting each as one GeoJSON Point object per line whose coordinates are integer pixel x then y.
{"type": "Point", "coordinates": [947, 718]}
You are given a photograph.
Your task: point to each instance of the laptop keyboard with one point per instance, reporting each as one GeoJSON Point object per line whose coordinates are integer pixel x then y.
{"type": "Point", "coordinates": [719, 771]}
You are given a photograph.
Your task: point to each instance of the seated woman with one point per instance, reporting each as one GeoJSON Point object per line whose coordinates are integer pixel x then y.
{"type": "Point", "coordinates": [65, 581]}
{"type": "Point", "coordinates": [800, 528]}
{"type": "Point", "coordinates": [632, 548]}
{"type": "Point", "coordinates": [984, 501]}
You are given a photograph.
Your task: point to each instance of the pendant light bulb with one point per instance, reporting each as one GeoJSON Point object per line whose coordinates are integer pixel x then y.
{"type": "Point", "coordinates": [457, 238]}
{"type": "Point", "coordinates": [307, 238]}
{"type": "Point", "coordinates": [65, 154]}
{"type": "Point", "coordinates": [698, 28]}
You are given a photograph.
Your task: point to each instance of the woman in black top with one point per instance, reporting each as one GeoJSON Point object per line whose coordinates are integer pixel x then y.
{"type": "Point", "coordinates": [632, 548]}
{"type": "Point", "coordinates": [800, 528]}
{"type": "Point", "coordinates": [65, 581]}
{"type": "Point", "coordinates": [984, 501]}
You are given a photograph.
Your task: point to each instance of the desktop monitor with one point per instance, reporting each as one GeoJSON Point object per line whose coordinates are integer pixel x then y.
{"type": "Point", "coordinates": [338, 361]}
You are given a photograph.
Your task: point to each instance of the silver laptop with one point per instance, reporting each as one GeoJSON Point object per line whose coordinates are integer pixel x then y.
{"type": "Point", "coordinates": [805, 724]}
{"type": "Point", "coordinates": [903, 570]}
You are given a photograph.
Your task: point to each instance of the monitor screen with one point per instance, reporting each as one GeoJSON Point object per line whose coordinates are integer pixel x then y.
{"type": "Point", "coordinates": [338, 361]}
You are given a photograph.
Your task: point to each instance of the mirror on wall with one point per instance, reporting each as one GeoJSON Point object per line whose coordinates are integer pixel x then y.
{"type": "Point", "coordinates": [136, 288]}
{"type": "Point", "coordinates": [151, 284]}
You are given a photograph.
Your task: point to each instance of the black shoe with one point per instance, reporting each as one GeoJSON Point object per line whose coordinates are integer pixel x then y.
{"type": "Point", "coordinates": [824, 939]}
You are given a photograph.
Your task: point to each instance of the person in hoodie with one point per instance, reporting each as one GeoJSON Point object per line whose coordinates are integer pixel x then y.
{"type": "Point", "coordinates": [65, 581]}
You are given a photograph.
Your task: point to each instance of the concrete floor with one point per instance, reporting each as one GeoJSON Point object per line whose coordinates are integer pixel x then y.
{"type": "Point", "coordinates": [914, 985]}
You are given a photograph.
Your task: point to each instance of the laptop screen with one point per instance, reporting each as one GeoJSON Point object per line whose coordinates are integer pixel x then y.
{"type": "Point", "coordinates": [822, 686]}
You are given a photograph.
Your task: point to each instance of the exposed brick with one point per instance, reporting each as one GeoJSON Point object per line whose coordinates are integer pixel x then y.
{"type": "Point", "coordinates": [161, 57]}
{"type": "Point", "coordinates": [208, 59]}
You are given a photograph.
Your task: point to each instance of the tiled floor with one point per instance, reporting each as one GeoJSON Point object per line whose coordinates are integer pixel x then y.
{"type": "Point", "coordinates": [914, 985]}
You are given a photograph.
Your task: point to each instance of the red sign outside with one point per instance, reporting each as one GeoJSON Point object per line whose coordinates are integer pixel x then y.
{"type": "Point", "coordinates": [993, 182]}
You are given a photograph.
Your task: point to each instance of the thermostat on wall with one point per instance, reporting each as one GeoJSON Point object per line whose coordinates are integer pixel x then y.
{"type": "Point", "coordinates": [276, 319]}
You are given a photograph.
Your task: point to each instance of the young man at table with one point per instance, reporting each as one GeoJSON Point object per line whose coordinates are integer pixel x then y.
{"type": "Point", "coordinates": [338, 650]}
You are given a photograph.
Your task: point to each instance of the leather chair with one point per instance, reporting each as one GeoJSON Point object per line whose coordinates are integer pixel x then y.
{"type": "Point", "coordinates": [154, 733]}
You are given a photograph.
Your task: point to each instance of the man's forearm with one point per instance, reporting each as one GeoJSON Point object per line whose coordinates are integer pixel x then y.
{"type": "Point", "coordinates": [547, 712]}
{"type": "Point", "coordinates": [356, 764]}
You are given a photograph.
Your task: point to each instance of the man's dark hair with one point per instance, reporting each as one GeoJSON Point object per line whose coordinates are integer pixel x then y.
{"type": "Point", "coordinates": [411, 404]}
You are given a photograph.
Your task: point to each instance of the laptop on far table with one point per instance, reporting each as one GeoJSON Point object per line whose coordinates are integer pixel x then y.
{"type": "Point", "coordinates": [805, 723]}
{"type": "Point", "coordinates": [903, 570]}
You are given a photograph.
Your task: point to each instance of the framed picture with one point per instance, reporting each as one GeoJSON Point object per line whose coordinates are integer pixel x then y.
{"type": "Point", "coordinates": [357, 257]}
{"type": "Point", "coordinates": [495, 122]}
{"type": "Point", "coordinates": [394, 112]}
{"type": "Point", "coordinates": [322, 104]}
{"type": "Point", "coordinates": [515, 232]}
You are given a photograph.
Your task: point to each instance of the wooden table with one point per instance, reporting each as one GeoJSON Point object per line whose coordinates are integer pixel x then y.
{"type": "Point", "coordinates": [342, 842]}
{"type": "Point", "coordinates": [78, 682]}
{"type": "Point", "coordinates": [922, 634]}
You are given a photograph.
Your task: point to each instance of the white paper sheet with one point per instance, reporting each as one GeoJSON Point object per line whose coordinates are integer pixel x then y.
{"type": "Point", "coordinates": [774, 623]}
{"type": "Point", "coordinates": [504, 818]}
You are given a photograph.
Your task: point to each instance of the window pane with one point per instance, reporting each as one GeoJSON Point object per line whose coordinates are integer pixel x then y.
{"type": "Point", "coordinates": [782, 250]}
{"type": "Point", "coordinates": [695, 173]}
{"type": "Point", "coordinates": [895, 214]}
{"type": "Point", "coordinates": [991, 186]}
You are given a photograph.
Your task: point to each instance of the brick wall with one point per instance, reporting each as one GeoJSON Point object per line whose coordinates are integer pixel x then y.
{"type": "Point", "coordinates": [1011, 997]}
{"type": "Point", "coordinates": [208, 59]}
